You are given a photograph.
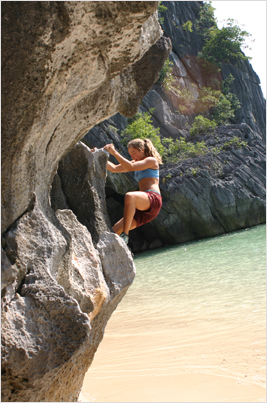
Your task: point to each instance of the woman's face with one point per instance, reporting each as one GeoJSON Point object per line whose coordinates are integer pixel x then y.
{"type": "Point", "coordinates": [135, 154]}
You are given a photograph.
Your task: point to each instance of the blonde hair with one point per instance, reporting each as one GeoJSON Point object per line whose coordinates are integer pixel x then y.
{"type": "Point", "coordinates": [148, 147]}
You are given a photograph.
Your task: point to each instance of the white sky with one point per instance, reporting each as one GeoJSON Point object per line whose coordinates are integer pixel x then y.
{"type": "Point", "coordinates": [251, 17]}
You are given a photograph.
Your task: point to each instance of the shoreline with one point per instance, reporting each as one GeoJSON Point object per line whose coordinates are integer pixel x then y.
{"type": "Point", "coordinates": [191, 328]}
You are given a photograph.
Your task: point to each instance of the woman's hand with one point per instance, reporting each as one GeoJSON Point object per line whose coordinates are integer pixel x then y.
{"type": "Point", "coordinates": [110, 148]}
{"type": "Point", "coordinates": [124, 164]}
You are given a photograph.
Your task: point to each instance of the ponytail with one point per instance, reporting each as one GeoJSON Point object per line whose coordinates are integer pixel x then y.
{"type": "Point", "coordinates": [151, 151]}
{"type": "Point", "coordinates": [148, 147]}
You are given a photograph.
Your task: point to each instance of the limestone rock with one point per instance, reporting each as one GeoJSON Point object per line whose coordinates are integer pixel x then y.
{"type": "Point", "coordinates": [248, 91]}
{"type": "Point", "coordinates": [66, 66]}
{"type": "Point", "coordinates": [202, 196]}
{"type": "Point", "coordinates": [116, 276]}
{"type": "Point", "coordinates": [188, 71]}
{"type": "Point", "coordinates": [64, 294]}
{"type": "Point", "coordinates": [213, 194]}
{"type": "Point", "coordinates": [82, 177]}
{"type": "Point", "coordinates": [35, 343]}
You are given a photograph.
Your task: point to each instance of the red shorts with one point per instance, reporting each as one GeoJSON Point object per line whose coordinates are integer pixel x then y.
{"type": "Point", "coordinates": [143, 217]}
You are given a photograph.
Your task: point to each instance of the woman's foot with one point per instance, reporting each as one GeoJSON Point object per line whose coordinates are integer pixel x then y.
{"type": "Point", "coordinates": [125, 237]}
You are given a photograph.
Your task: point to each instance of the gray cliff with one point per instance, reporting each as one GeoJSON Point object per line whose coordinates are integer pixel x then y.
{"type": "Point", "coordinates": [66, 66]}
{"type": "Point", "coordinates": [202, 196]}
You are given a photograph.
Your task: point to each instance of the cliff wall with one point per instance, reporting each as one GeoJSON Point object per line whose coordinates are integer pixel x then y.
{"type": "Point", "coordinates": [66, 66]}
{"type": "Point", "coordinates": [188, 71]}
{"type": "Point", "coordinates": [201, 196]}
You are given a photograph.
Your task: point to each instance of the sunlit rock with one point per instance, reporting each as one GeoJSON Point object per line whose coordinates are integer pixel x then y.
{"type": "Point", "coordinates": [66, 66]}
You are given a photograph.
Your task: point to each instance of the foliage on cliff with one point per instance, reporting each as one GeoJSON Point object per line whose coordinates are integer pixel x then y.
{"type": "Point", "coordinates": [161, 9]}
{"type": "Point", "coordinates": [220, 45]}
{"type": "Point", "coordinates": [140, 126]}
{"type": "Point", "coordinates": [215, 104]}
{"type": "Point", "coordinates": [174, 151]}
{"type": "Point", "coordinates": [165, 75]}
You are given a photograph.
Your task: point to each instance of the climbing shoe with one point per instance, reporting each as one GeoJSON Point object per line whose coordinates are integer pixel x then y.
{"type": "Point", "coordinates": [125, 237]}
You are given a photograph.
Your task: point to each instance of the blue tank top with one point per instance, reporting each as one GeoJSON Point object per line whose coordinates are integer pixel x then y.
{"type": "Point", "coordinates": [146, 173]}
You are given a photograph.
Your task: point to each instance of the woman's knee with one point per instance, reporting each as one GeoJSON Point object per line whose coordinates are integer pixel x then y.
{"type": "Point", "coordinates": [129, 198]}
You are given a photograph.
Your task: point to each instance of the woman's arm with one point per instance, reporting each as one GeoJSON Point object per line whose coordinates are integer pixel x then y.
{"type": "Point", "coordinates": [126, 164]}
{"type": "Point", "coordinates": [148, 162]}
{"type": "Point", "coordinates": [115, 168]}
{"type": "Point", "coordinates": [112, 167]}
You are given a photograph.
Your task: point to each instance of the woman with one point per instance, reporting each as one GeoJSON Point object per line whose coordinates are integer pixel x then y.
{"type": "Point", "coordinates": [144, 205]}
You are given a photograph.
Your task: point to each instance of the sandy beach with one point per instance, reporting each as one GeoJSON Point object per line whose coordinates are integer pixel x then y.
{"type": "Point", "coordinates": [179, 388]}
{"type": "Point", "coordinates": [179, 363]}
{"type": "Point", "coordinates": [191, 328]}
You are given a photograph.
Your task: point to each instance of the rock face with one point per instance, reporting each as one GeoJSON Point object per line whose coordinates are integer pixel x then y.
{"type": "Point", "coordinates": [70, 71]}
{"type": "Point", "coordinates": [248, 91]}
{"type": "Point", "coordinates": [202, 196]}
{"type": "Point", "coordinates": [187, 44]}
{"type": "Point", "coordinates": [188, 72]}
{"type": "Point", "coordinates": [60, 293]}
{"type": "Point", "coordinates": [212, 194]}
{"type": "Point", "coordinates": [66, 66]}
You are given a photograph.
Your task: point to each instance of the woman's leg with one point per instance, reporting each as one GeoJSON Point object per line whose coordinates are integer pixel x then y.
{"type": "Point", "coordinates": [118, 227]}
{"type": "Point", "coordinates": [132, 201]}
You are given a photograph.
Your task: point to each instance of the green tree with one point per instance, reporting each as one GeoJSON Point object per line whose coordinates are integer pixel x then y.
{"type": "Point", "coordinates": [161, 10]}
{"type": "Point", "coordinates": [202, 125]}
{"type": "Point", "coordinates": [220, 45]}
{"type": "Point", "coordinates": [219, 106]}
{"type": "Point", "coordinates": [172, 151]}
{"type": "Point", "coordinates": [188, 26]}
{"type": "Point", "coordinates": [227, 104]}
{"type": "Point", "coordinates": [207, 98]}
{"type": "Point", "coordinates": [165, 75]}
{"type": "Point", "coordinates": [217, 109]}
{"type": "Point", "coordinates": [236, 142]}
{"type": "Point", "coordinates": [223, 111]}
{"type": "Point", "coordinates": [224, 45]}
{"type": "Point", "coordinates": [141, 127]}
{"type": "Point", "coordinates": [186, 97]}
{"type": "Point", "coordinates": [161, 7]}
{"type": "Point", "coordinates": [226, 90]}
{"type": "Point", "coordinates": [206, 20]}
{"type": "Point", "coordinates": [179, 150]}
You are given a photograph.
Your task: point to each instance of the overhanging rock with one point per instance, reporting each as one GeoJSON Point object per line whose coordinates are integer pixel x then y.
{"type": "Point", "coordinates": [66, 66]}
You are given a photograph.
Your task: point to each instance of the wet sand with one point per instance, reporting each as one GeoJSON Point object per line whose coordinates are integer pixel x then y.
{"type": "Point", "coordinates": [186, 361]}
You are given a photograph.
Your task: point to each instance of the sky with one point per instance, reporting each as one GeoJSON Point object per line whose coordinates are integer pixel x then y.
{"type": "Point", "coordinates": [251, 17]}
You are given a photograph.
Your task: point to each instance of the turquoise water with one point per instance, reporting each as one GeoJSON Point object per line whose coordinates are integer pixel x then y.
{"type": "Point", "coordinates": [220, 277]}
